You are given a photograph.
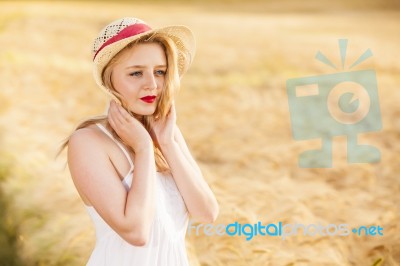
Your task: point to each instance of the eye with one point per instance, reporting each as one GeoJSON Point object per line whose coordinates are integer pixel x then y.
{"type": "Point", "coordinates": [136, 74]}
{"type": "Point", "coordinates": [160, 72]}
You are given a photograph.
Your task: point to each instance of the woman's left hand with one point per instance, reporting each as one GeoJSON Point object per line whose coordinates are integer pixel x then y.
{"type": "Point", "coordinates": [164, 130]}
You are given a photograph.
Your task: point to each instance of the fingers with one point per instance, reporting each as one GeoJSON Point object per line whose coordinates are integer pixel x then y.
{"type": "Point", "coordinates": [115, 116]}
{"type": "Point", "coordinates": [111, 117]}
{"type": "Point", "coordinates": [121, 110]}
{"type": "Point", "coordinates": [172, 108]}
{"type": "Point", "coordinates": [118, 114]}
{"type": "Point", "coordinates": [172, 113]}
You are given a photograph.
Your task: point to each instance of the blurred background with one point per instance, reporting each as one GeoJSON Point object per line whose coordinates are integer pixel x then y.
{"type": "Point", "coordinates": [233, 111]}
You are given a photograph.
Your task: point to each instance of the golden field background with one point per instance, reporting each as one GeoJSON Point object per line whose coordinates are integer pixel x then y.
{"type": "Point", "coordinates": [233, 112]}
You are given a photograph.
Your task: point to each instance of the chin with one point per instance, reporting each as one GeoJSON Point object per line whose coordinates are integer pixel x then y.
{"type": "Point", "coordinates": [139, 110]}
{"type": "Point", "coordinates": [145, 112]}
{"type": "Point", "coordinates": [149, 113]}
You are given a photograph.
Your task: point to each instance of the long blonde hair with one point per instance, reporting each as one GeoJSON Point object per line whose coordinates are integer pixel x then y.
{"type": "Point", "coordinates": [171, 85]}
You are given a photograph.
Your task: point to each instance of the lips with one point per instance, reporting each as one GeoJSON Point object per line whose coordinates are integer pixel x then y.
{"type": "Point", "coordinates": [148, 99]}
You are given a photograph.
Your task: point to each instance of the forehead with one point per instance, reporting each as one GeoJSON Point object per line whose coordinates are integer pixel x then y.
{"type": "Point", "coordinates": [143, 54]}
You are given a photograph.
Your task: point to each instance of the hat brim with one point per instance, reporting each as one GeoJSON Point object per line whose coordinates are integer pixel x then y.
{"type": "Point", "coordinates": [181, 35]}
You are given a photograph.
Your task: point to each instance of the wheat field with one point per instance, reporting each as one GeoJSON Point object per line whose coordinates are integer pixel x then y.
{"type": "Point", "coordinates": [233, 111]}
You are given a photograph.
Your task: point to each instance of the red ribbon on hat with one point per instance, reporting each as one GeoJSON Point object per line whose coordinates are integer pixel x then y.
{"type": "Point", "coordinates": [129, 31]}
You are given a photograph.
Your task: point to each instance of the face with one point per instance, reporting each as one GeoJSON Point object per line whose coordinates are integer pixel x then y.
{"type": "Point", "coordinates": [139, 77]}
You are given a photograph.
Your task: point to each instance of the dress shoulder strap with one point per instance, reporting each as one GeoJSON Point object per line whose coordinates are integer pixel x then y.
{"type": "Point", "coordinates": [118, 143]}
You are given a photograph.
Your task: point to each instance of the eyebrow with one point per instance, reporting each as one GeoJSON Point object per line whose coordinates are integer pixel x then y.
{"type": "Point", "coordinates": [142, 66]}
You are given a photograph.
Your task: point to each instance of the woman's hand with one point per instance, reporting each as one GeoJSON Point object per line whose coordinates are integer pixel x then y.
{"type": "Point", "coordinates": [164, 130]}
{"type": "Point", "coordinates": [128, 128]}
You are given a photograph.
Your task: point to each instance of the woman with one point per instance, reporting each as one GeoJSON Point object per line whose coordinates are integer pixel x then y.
{"type": "Point", "coordinates": [132, 168]}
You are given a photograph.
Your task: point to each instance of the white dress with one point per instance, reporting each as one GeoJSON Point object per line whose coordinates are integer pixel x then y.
{"type": "Point", "coordinates": [166, 245]}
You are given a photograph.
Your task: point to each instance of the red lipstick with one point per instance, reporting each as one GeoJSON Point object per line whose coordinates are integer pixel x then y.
{"type": "Point", "coordinates": [148, 99]}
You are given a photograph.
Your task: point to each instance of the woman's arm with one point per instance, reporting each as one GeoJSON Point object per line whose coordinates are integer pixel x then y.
{"type": "Point", "coordinates": [198, 197]}
{"type": "Point", "coordinates": [178, 137]}
{"type": "Point", "coordinates": [131, 213]}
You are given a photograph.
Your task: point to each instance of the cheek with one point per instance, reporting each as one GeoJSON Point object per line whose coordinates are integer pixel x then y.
{"type": "Point", "coordinates": [125, 86]}
{"type": "Point", "coordinates": [160, 83]}
{"type": "Point", "coordinates": [117, 83]}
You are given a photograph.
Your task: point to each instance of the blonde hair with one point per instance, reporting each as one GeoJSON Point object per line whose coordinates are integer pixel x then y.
{"type": "Point", "coordinates": [171, 85]}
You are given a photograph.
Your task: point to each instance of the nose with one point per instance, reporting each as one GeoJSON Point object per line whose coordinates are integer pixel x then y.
{"type": "Point", "coordinates": [150, 83]}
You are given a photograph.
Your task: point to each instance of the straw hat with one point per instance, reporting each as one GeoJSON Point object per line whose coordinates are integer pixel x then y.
{"type": "Point", "coordinates": [116, 35]}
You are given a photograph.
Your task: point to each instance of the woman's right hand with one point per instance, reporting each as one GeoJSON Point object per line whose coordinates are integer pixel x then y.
{"type": "Point", "coordinates": [128, 128]}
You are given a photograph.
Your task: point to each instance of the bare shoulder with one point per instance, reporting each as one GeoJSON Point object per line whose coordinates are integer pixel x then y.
{"type": "Point", "coordinates": [87, 144]}
{"type": "Point", "coordinates": [85, 137]}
